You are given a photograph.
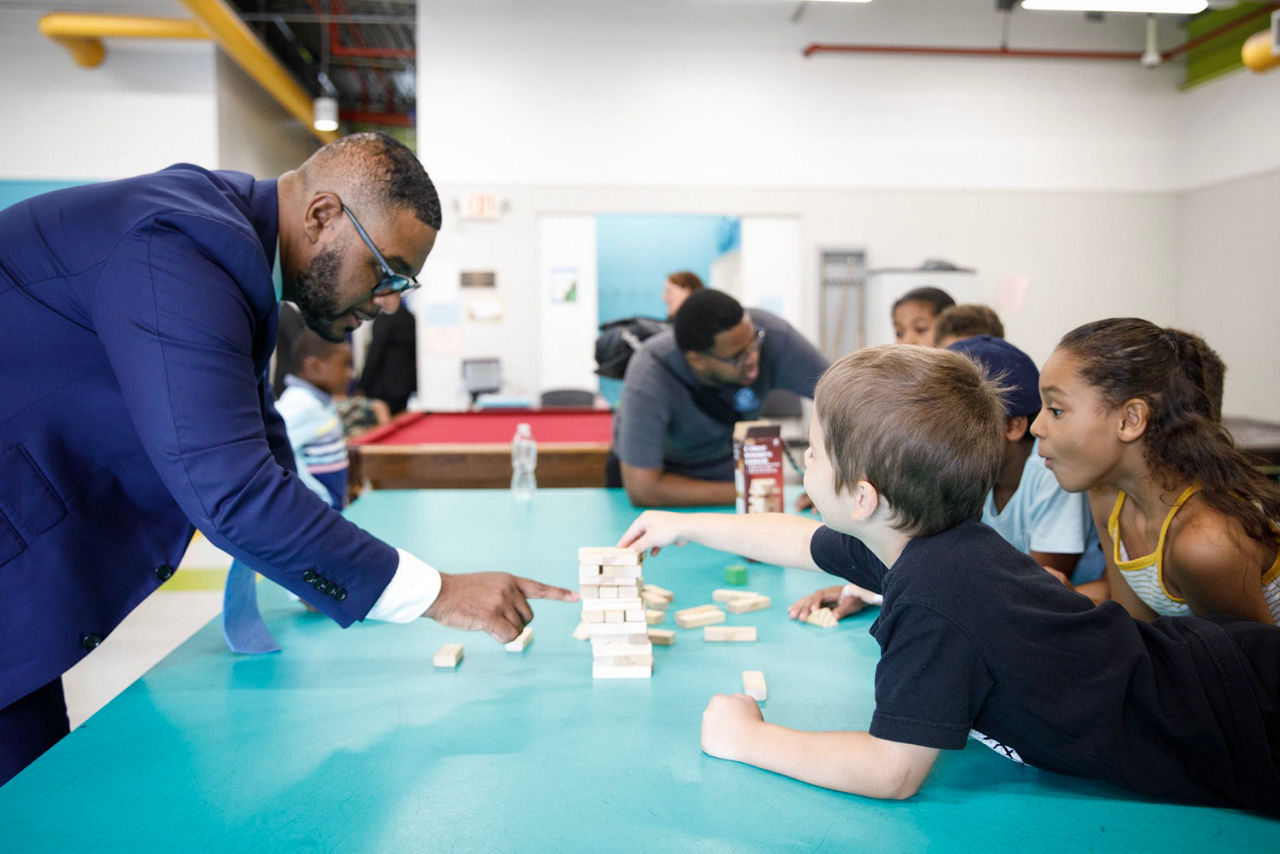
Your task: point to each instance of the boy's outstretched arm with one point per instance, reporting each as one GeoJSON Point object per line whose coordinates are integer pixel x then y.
{"type": "Point", "coordinates": [854, 762]}
{"type": "Point", "coordinates": [775, 538]}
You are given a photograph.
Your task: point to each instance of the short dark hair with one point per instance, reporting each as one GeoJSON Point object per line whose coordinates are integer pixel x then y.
{"type": "Point", "coordinates": [925, 427]}
{"type": "Point", "coordinates": [936, 297]}
{"type": "Point", "coordinates": [704, 315]}
{"type": "Point", "coordinates": [390, 173]}
{"type": "Point", "coordinates": [967, 320]}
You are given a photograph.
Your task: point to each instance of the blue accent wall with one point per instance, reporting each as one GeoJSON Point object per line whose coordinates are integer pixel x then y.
{"type": "Point", "coordinates": [635, 254]}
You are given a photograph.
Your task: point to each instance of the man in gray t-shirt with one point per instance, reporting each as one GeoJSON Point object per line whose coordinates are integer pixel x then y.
{"type": "Point", "coordinates": [685, 388]}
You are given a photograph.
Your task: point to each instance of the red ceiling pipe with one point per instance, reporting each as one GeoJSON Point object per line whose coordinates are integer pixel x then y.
{"type": "Point", "coordinates": [365, 117]}
{"type": "Point", "coordinates": [972, 51]}
{"type": "Point", "coordinates": [1219, 31]}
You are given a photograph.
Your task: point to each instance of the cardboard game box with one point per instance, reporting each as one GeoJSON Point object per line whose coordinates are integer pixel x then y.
{"type": "Point", "coordinates": [757, 466]}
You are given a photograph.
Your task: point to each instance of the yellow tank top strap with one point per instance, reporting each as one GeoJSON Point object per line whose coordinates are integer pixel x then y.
{"type": "Point", "coordinates": [1113, 528]}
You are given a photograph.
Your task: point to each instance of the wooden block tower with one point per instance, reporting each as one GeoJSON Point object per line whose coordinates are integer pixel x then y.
{"type": "Point", "coordinates": [609, 583]}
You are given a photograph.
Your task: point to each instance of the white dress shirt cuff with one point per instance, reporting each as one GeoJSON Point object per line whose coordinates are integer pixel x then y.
{"type": "Point", "coordinates": [412, 591]}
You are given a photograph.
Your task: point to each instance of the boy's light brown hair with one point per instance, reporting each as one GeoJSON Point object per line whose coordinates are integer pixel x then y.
{"type": "Point", "coordinates": [923, 426]}
{"type": "Point", "coordinates": [967, 320]}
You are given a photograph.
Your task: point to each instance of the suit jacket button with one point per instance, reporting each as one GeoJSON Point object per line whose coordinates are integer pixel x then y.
{"type": "Point", "coordinates": [164, 572]}
{"type": "Point", "coordinates": [309, 576]}
{"type": "Point", "coordinates": [90, 641]}
{"type": "Point", "coordinates": [340, 595]}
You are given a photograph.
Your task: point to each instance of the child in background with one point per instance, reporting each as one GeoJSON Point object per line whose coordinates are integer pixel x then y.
{"type": "Point", "coordinates": [915, 313]}
{"type": "Point", "coordinates": [1132, 413]}
{"type": "Point", "coordinates": [975, 638]}
{"type": "Point", "coordinates": [310, 415]}
{"type": "Point", "coordinates": [966, 321]}
{"type": "Point", "coordinates": [1026, 506]}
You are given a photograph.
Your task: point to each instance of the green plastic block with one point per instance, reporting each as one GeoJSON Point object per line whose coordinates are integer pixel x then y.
{"type": "Point", "coordinates": [735, 573]}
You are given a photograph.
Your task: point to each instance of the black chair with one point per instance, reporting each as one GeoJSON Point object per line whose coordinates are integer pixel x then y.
{"type": "Point", "coordinates": [568, 397]}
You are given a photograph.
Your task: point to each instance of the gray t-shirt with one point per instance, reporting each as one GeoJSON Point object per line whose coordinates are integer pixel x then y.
{"type": "Point", "coordinates": [659, 425]}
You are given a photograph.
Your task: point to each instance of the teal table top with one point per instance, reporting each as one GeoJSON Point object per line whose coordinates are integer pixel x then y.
{"type": "Point", "coordinates": [351, 741]}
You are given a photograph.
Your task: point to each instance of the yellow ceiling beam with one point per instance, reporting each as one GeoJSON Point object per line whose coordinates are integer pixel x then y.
{"type": "Point", "coordinates": [82, 35]}
{"type": "Point", "coordinates": [235, 37]}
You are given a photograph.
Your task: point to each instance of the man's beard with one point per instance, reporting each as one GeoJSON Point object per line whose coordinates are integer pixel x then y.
{"type": "Point", "coordinates": [315, 293]}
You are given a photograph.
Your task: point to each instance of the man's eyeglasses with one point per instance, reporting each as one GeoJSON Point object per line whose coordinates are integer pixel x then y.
{"type": "Point", "coordinates": [391, 281]}
{"type": "Point", "coordinates": [740, 359]}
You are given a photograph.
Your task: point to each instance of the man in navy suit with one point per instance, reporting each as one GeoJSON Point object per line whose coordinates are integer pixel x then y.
{"type": "Point", "coordinates": [139, 319]}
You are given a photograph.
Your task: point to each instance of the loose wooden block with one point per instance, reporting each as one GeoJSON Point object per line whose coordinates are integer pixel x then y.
{"type": "Point", "coordinates": [699, 617]}
{"type": "Point", "coordinates": [634, 672]}
{"type": "Point", "coordinates": [735, 573]}
{"type": "Point", "coordinates": [654, 617]}
{"type": "Point", "coordinates": [581, 632]}
{"type": "Point", "coordinates": [653, 600]}
{"type": "Point", "coordinates": [609, 556]}
{"type": "Point", "coordinates": [522, 640]}
{"type": "Point", "coordinates": [729, 633]}
{"type": "Point", "coordinates": [744, 604]}
{"type": "Point", "coordinates": [662, 637]}
{"type": "Point", "coordinates": [753, 685]}
{"type": "Point", "coordinates": [726, 595]}
{"type": "Point", "coordinates": [448, 655]}
{"type": "Point", "coordinates": [659, 591]}
{"type": "Point", "coordinates": [822, 617]}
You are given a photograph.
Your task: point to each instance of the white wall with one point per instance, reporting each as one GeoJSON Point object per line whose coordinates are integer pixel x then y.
{"type": "Point", "coordinates": [1229, 285]}
{"type": "Point", "coordinates": [1066, 173]}
{"type": "Point", "coordinates": [256, 134]}
{"type": "Point", "coordinates": [150, 104]}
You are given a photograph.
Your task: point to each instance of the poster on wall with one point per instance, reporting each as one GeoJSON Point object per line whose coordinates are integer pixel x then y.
{"type": "Point", "coordinates": [564, 285]}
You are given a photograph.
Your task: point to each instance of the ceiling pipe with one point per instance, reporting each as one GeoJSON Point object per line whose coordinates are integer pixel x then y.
{"type": "Point", "coordinates": [82, 35]}
{"type": "Point", "coordinates": [239, 42]}
{"type": "Point", "coordinates": [1047, 53]}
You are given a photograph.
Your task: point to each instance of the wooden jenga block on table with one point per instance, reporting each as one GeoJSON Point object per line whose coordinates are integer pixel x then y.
{"type": "Point", "coordinates": [744, 604]}
{"type": "Point", "coordinates": [521, 641]}
{"type": "Point", "coordinates": [448, 655]}
{"type": "Point", "coordinates": [823, 617]}
{"type": "Point", "coordinates": [662, 637]}
{"type": "Point", "coordinates": [703, 615]}
{"type": "Point", "coordinates": [753, 685]}
{"type": "Point", "coordinates": [729, 633]}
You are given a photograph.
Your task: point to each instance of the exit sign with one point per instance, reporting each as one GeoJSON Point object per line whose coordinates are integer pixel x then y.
{"type": "Point", "coordinates": [481, 206]}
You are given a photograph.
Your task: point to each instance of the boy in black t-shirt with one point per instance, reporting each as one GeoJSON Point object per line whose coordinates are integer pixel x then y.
{"type": "Point", "coordinates": [976, 639]}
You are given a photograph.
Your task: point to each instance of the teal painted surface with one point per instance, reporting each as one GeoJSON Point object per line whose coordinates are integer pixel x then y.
{"type": "Point", "coordinates": [635, 254]}
{"type": "Point", "coordinates": [16, 191]}
{"type": "Point", "coordinates": [350, 741]}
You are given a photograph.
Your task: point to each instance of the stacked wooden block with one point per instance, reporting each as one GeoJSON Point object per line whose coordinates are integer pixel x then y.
{"type": "Point", "coordinates": [613, 612]}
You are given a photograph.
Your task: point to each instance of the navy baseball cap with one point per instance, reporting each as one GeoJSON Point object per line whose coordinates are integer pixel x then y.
{"type": "Point", "coordinates": [1008, 366]}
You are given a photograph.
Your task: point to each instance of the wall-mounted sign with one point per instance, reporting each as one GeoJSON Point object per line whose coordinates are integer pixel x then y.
{"type": "Point", "coordinates": [481, 206]}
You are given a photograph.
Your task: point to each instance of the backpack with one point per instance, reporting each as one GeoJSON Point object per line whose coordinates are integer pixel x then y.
{"type": "Point", "coordinates": [619, 339]}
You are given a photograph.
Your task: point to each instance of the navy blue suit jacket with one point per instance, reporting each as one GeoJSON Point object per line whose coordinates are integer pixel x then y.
{"type": "Point", "coordinates": [138, 321]}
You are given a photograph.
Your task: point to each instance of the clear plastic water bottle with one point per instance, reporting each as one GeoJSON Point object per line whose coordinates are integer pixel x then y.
{"type": "Point", "coordinates": [524, 459]}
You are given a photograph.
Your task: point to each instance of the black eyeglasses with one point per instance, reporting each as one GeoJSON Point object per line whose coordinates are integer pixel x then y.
{"type": "Point", "coordinates": [391, 281]}
{"type": "Point", "coordinates": [738, 360]}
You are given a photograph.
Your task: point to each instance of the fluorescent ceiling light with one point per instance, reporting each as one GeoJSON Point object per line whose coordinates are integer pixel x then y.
{"type": "Point", "coordinates": [1167, 7]}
